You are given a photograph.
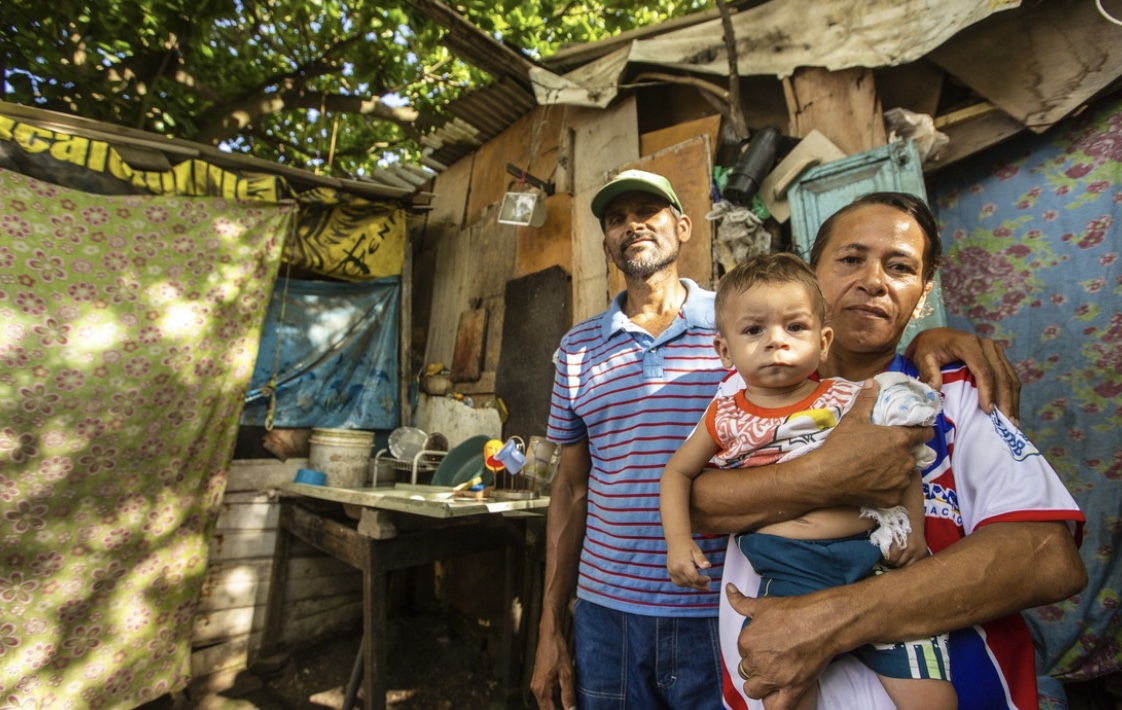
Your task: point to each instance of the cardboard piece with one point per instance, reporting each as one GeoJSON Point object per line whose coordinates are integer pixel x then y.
{"type": "Point", "coordinates": [813, 150]}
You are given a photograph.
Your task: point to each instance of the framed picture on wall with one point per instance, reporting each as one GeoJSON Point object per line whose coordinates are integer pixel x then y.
{"type": "Point", "coordinates": [525, 209]}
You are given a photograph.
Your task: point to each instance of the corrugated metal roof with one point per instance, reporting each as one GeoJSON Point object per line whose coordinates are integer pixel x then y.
{"type": "Point", "coordinates": [482, 114]}
{"type": "Point", "coordinates": [479, 116]}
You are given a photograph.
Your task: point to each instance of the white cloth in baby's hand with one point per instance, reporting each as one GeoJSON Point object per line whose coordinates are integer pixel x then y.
{"type": "Point", "coordinates": [905, 401]}
{"type": "Point", "coordinates": [902, 401]}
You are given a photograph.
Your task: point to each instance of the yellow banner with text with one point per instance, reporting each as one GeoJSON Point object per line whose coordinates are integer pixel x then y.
{"type": "Point", "coordinates": [338, 235]}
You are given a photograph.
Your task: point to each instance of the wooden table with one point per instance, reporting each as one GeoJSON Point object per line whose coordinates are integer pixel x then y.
{"type": "Point", "coordinates": [397, 528]}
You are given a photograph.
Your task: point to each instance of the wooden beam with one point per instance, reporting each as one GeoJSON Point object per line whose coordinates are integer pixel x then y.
{"type": "Point", "coordinates": [963, 115]}
{"type": "Point", "coordinates": [971, 130]}
{"type": "Point", "coordinates": [843, 105]}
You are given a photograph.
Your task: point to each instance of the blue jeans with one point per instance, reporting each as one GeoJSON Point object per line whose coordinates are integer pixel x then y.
{"type": "Point", "coordinates": [632, 662]}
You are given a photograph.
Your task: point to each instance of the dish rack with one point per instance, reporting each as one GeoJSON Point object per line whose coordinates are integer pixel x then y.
{"type": "Point", "coordinates": [424, 461]}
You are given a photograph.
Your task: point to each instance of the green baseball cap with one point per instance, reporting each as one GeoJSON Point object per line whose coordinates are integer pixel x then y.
{"type": "Point", "coordinates": [633, 181]}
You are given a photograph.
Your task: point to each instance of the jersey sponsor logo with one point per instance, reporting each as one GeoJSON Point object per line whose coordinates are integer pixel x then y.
{"type": "Point", "coordinates": [940, 502]}
{"type": "Point", "coordinates": [1019, 446]}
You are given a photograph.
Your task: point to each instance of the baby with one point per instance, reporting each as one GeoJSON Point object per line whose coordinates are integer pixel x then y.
{"type": "Point", "coordinates": [771, 327]}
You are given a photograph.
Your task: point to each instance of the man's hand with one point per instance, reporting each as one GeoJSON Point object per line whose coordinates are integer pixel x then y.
{"type": "Point", "coordinates": [553, 670]}
{"type": "Point", "coordinates": [784, 649]}
{"type": "Point", "coordinates": [879, 465]}
{"type": "Point", "coordinates": [997, 380]}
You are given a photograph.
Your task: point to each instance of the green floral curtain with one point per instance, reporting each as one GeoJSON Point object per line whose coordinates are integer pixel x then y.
{"type": "Point", "coordinates": [1033, 234]}
{"type": "Point", "coordinates": [129, 327]}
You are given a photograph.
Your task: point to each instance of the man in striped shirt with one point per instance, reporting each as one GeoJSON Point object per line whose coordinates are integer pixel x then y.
{"type": "Point", "coordinates": [630, 385]}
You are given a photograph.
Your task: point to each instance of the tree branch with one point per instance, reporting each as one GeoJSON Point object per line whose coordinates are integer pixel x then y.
{"type": "Point", "coordinates": [236, 117]}
{"type": "Point", "coordinates": [736, 110]}
{"type": "Point", "coordinates": [701, 84]}
{"type": "Point", "coordinates": [283, 147]}
{"type": "Point", "coordinates": [215, 123]}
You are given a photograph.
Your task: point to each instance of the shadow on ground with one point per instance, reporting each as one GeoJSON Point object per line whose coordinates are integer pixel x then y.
{"type": "Point", "coordinates": [437, 662]}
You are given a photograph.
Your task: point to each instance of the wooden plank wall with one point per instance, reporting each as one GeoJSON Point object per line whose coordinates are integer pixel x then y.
{"type": "Point", "coordinates": [324, 595]}
{"type": "Point", "coordinates": [440, 241]}
{"type": "Point", "coordinates": [531, 144]}
{"type": "Point", "coordinates": [602, 141]}
{"type": "Point", "coordinates": [657, 141]}
{"type": "Point", "coordinates": [578, 149]}
{"type": "Point", "coordinates": [691, 166]}
{"type": "Point", "coordinates": [475, 255]}
{"type": "Point", "coordinates": [843, 105]}
{"type": "Point", "coordinates": [539, 248]}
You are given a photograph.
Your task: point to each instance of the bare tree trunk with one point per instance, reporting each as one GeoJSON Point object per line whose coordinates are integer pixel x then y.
{"type": "Point", "coordinates": [736, 111]}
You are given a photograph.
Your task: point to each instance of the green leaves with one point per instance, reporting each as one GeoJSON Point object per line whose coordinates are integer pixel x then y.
{"type": "Point", "coordinates": [279, 78]}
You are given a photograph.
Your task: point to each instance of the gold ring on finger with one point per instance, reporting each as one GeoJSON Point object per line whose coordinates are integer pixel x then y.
{"type": "Point", "coordinates": [741, 672]}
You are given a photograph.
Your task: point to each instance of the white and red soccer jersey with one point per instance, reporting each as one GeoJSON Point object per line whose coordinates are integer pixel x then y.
{"type": "Point", "coordinates": [985, 471]}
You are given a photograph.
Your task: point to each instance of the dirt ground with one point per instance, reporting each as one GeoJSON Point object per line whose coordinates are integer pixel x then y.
{"type": "Point", "coordinates": [437, 662]}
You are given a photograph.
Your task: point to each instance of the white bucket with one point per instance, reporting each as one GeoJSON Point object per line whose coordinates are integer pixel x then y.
{"type": "Point", "coordinates": [343, 454]}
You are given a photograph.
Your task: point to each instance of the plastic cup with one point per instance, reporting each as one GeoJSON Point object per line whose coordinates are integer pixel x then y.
{"type": "Point", "coordinates": [310, 477]}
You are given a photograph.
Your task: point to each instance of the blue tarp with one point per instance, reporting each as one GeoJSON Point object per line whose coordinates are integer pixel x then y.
{"type": "Point", "coordinates": [338, 359]}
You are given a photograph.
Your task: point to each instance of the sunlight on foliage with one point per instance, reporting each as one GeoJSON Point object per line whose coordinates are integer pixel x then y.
{"type": "Point", "coordinates": [335, 86]}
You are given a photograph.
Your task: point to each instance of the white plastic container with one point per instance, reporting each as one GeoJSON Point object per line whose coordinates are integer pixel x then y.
{"type": "Point", "coordinates": [342, 454]}
{"type": "Point", "coordinates": [542, 458]}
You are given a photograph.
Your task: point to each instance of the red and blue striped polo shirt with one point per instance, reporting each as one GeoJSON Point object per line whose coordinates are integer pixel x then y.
{"type": "Point", "coordinates": [636, 398]}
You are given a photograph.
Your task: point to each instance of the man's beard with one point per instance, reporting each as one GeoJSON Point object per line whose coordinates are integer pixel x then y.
{"type": "Point", "coordinates": [646, 264]}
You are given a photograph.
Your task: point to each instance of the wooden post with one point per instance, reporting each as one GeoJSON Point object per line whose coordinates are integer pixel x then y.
{"type": "Point", "coordinates": [375, 628]}
{"type": "Point", "coordinates": [274, 607]}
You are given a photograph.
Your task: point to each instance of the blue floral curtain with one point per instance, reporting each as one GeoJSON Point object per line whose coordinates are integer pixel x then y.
{"type": "Point", "coordinates": [1032, 236]}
